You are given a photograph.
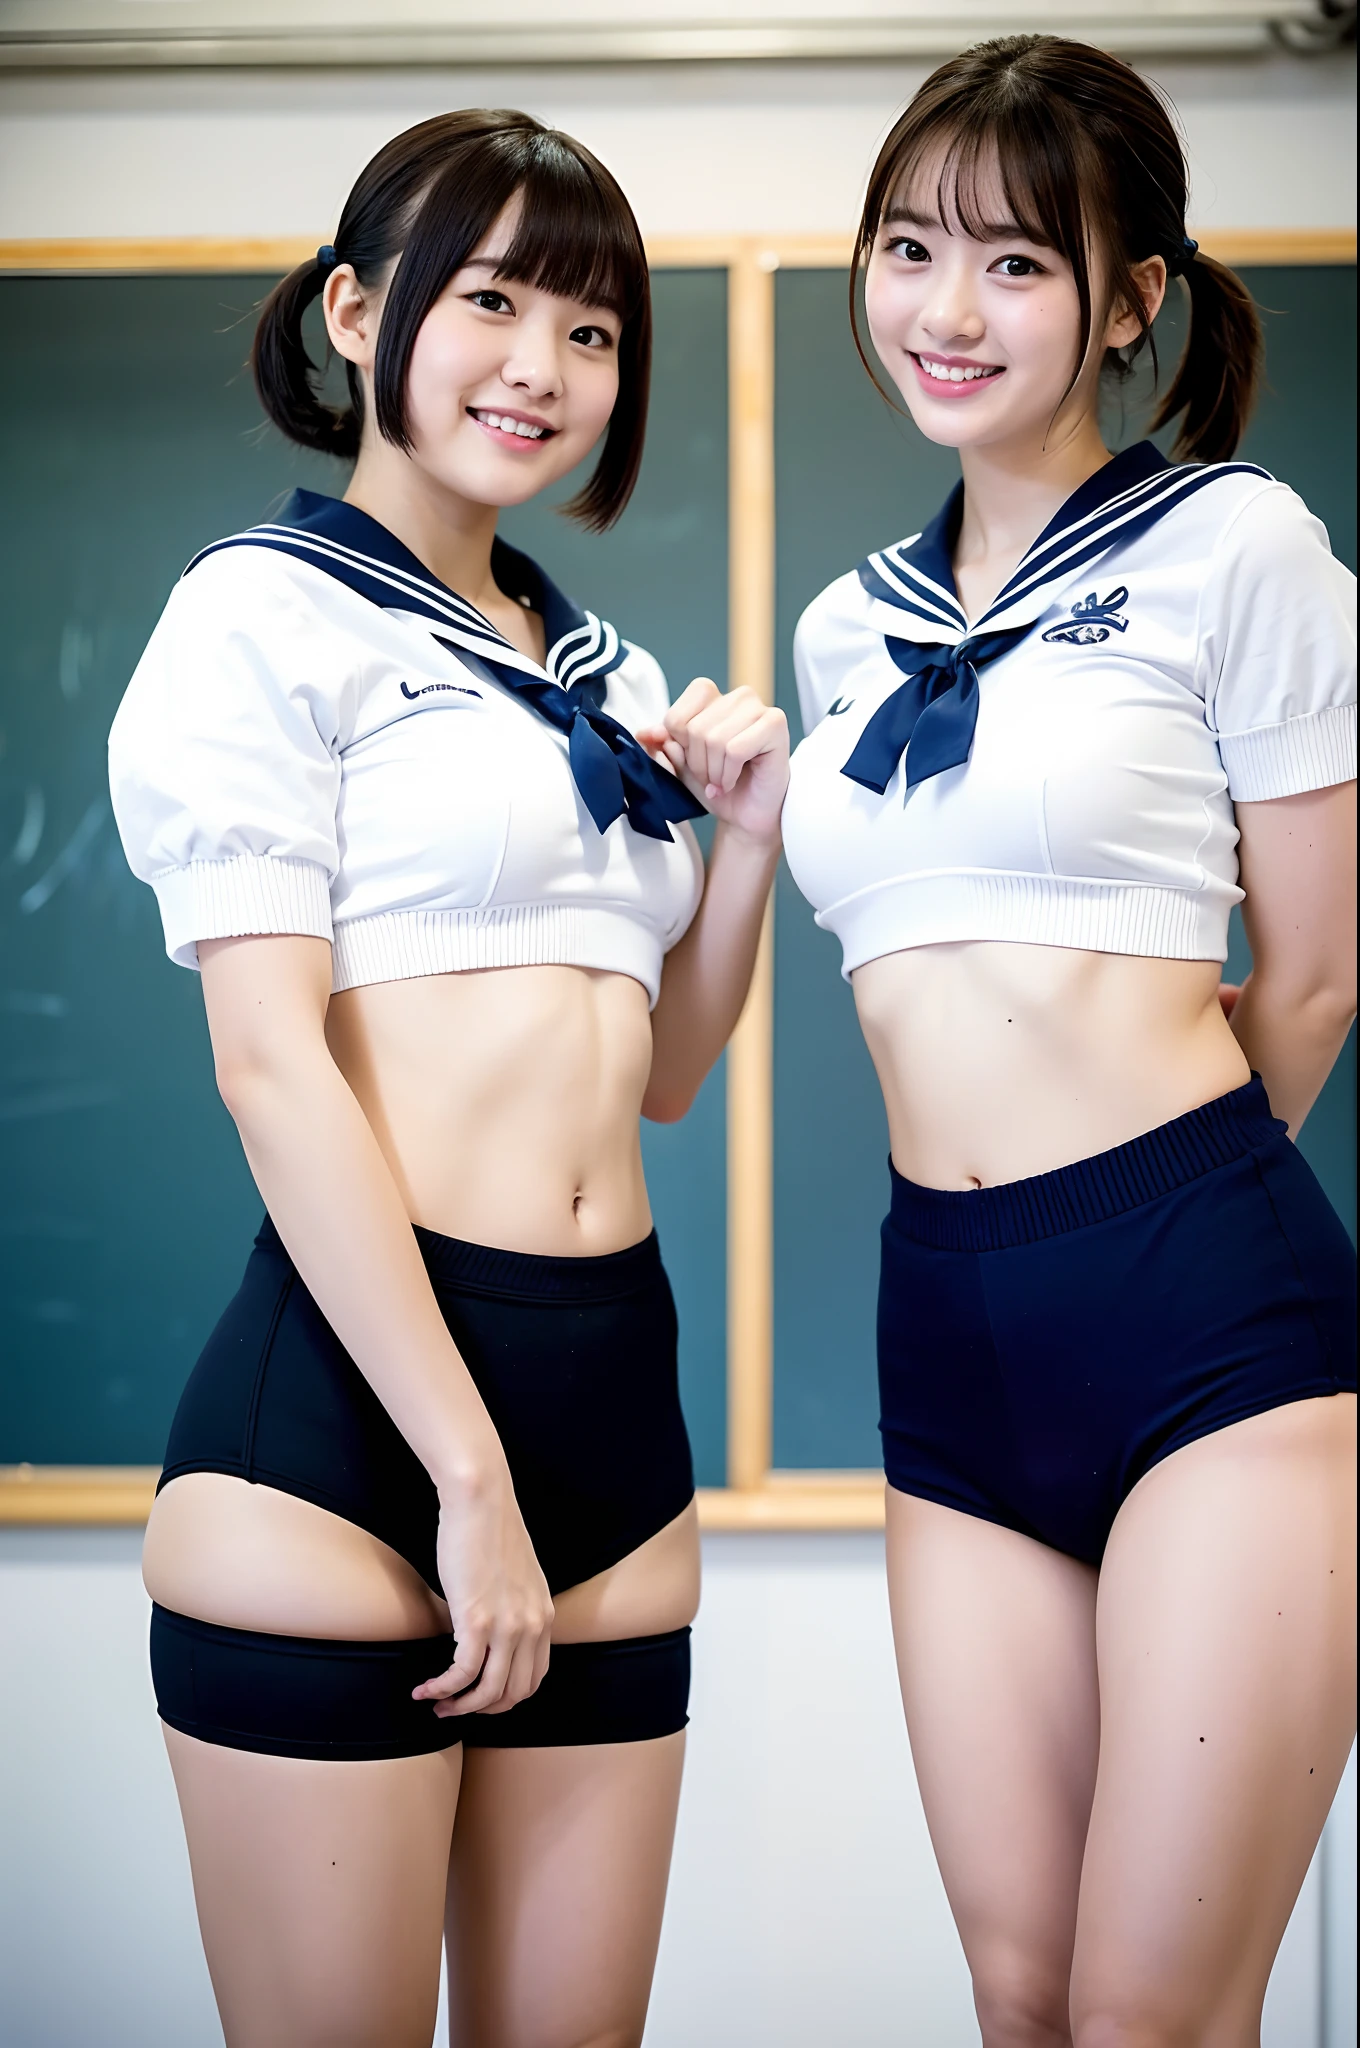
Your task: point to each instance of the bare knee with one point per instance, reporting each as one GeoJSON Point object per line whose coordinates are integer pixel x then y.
{"type": "Point", "coordinates": [1021, 2001]}
{"type": "Point", "coordinates": [1131, 2022]}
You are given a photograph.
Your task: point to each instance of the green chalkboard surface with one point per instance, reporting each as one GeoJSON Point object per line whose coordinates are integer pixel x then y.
{"type": "Point", "coordinates": [850, 477]}
{"type": "Point", "coordinates": [130, 436]}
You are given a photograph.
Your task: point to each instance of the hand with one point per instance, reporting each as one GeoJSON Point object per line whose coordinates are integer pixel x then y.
{"type": "Point", "coordinates": [732, 752]}
{"type": "Point", "coordinates": [500, 1609]}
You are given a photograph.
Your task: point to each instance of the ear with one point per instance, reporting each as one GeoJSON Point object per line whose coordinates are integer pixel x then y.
{"type": "Point", "coordinates": [1149, 281]}
{"type": "Point", "coordinates": [351, 317]}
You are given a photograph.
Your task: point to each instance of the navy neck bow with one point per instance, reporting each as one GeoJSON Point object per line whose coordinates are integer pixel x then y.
{"type": "Point", "coordinates": [933, 714]}
{"type": "Point", "coordinates": [935, 710]}
{"type": "Point", "coordinates": [615, 776]}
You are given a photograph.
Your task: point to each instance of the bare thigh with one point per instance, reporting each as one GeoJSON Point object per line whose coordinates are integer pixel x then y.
{"type": "Point", "coordinates": [1226, 1642]}
{"type": "Point", "coordinates": [319, 1886]}
{"type": "Point", "coordinates": [320, 1892]}
{"type": "Point", "coordinates": [557, 1879]}
{"type": "Point", "coordinates": [995, 1643]}
{"type": "Point", "coordinates": [556, 1888]}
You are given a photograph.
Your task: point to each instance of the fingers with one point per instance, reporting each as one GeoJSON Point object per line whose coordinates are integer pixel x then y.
{"type": "Point", "coordinates": [717, 742]}
{"type": "Point", "coordinates": [527, 1670]}
{"type": "Point", "coordinates": [765, 735]}
{"type": "Point", "coordinates": [469, 1659]}
{"type": "Point", "coordinates": [508, 1669]}
{"type": "Point", "coordinates": [696, 697]}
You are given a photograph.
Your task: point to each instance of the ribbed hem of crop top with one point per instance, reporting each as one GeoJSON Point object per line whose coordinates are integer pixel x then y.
{"type": "Point", "coordinates": [1027, 910]}
{"type": "Point", "coordinates": [254, 895]}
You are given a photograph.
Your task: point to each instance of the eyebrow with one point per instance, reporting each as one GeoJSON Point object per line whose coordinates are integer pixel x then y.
{"type": "Point", "coordinates": [991, 230]}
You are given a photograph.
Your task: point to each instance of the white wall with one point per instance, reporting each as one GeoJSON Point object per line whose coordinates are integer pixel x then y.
{"type": "Point", "coordinates": [804, 1911]}
{"type": "Point", "coordinates": [698, 148]}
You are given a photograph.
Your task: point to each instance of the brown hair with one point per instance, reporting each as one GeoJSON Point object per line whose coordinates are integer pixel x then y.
{"type": "Point", "coordinates": [426, 200]}
{"type": "Point", "coordinates": [1086, 153]}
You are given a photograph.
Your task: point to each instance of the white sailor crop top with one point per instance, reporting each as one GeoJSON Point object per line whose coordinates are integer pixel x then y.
{"type": "Point", "coordinates": [1062, 770]}
{"type": "Point", "coordinates": [323, 739]}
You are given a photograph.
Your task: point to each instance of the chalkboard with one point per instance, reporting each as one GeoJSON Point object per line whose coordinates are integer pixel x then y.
{"type": "Point", "coordinates": [130, 436]}
{"type": "Point", "coordinates": [852, 476]}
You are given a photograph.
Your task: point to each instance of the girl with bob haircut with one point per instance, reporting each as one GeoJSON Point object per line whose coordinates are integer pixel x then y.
{"type": "Point", "coordinates": [1051, 740]}
{"type": "Point", "coordinates": [424, 1555]}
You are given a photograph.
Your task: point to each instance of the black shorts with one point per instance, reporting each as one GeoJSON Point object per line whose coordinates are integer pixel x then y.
{"type": "Point", "coordinates": [1043, 1344]}
{"type": "Point", "coordinates": [575, 1360]}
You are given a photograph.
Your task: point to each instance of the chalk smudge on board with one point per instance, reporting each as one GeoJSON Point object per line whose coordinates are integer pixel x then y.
{"type": "Point", "coordinates": [67, 861]}
{"type": "Point", "coordinates": [30, 830]}
{"type": "Point", "coordinates": [77, 651]}
{"type": "Point", "coordinates": [23, 1002]}
{"type": "Point", "coordinates": [54, 1102]}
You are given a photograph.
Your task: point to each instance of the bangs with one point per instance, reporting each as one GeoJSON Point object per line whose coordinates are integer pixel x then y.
{"type": "Point", "coordinates": [571, 242]}
{"type": "Point", "coordinates": [997, 173]}
{"type": "Point", "coordinates": [576, 236]}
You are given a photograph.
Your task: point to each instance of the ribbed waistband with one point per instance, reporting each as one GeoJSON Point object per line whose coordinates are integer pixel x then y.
{"type": "Point", "coordinates": [455, 1266]}
{"type": "Point", "coordinates": [1091, 1190]}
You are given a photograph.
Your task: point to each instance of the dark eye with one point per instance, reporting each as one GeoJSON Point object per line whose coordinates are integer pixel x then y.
{"type": "Point", "coordinates": [592, 337]}
{"type": "Point", "coordinates": [909, 251]}
{"type": "Point", "coordinates": [489, 301]}
{"type": "Point", "coordinates": [1017, 266]}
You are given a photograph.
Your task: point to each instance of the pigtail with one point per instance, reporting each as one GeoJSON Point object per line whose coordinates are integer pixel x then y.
{"type": "Point", "coordinates": [1218, 373]}
{"type": "Point", "coordinates": [285, 375]}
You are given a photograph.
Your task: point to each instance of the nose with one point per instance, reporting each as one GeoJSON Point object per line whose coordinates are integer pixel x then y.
{"type": "Point", "coordinates": [951, 312]}
{"type": "Point", "coordinates": [533, 367]}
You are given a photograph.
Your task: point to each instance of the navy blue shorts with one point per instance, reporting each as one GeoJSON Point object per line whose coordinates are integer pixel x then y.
{"type": "Point", "coordinates": [1043, 1344]}
{"type": "Point", "coordinates": [575, 1359]}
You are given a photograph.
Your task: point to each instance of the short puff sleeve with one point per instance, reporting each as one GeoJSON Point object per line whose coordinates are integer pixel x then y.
{"type": "Point", "coordinates": [224, 755]}
{"type": "Point", "coordinates": [1277, 639]}
{"type": "Point", "coordinates": [829, 642]}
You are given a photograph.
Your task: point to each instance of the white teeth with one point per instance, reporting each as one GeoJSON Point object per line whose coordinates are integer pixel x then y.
{"type": "Point", "coordinates": [952, 373]}
{"type": "Point", "coordinates": [509, 426]}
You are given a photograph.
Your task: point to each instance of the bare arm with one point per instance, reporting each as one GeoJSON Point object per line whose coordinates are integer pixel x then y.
{"type": "Point", "coordinates": [1294, 1009]}
{"type": "Point", "coordinates": [332, 1197]}
{"type": "Point", "coordinates": [732, 752]}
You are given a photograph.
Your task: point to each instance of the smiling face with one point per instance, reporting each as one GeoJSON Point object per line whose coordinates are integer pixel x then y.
{"type": "Point", "coordinates": [981, 332]}
{"type": "Point", "coordinates": [509, 386]}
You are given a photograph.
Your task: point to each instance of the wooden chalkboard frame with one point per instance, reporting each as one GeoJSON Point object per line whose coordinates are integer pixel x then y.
{"type": "Point", "coordinates": [756, 1495]}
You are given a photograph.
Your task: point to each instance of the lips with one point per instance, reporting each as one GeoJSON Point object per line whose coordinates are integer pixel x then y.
{"type": "Point", "coordinates": [954, 376]}
{"type": "Point", "coordinates": [511, 427]}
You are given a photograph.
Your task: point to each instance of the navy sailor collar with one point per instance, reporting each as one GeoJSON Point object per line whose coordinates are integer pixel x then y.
{"type": "Point", "coordinates": [614, 775]}
{"type": "Point", "coordinates": [911, 586]}
{"type": "Point", "coordinates": [356, 548]}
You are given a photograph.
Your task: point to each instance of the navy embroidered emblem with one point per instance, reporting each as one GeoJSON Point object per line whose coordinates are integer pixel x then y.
{"type": "Point", "coordinates": [841, 704]}
{"type": "Point", "coordinates": [1093, 620]}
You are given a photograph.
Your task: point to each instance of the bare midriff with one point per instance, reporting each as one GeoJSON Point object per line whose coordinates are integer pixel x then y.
{"type": "Point", "coordinates": [999, 1061]}
{"type": "Point", "coordinates": [507, 1104]}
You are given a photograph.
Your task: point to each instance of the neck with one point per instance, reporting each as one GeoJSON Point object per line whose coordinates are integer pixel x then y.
{"type": "Point", "coordinates": [448, 533]}
{"type": "Point", "coordinates": [1011, 491]}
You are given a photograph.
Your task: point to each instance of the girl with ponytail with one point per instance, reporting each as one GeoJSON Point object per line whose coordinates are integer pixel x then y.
{"type": "Point", "coordinates": [1051, 740]}
{"type": "Point", "coordinates": [424, 1554]}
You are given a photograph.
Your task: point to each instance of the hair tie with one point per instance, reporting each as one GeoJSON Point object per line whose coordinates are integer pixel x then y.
{"type": "Point", "coordinates": [1180, 259]}
{"type": "Point", "coordinates": [326, 258]}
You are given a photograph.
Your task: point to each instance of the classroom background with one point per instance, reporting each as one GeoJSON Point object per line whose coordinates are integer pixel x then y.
{"type": "Point", "coordinates": [161, 162]}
